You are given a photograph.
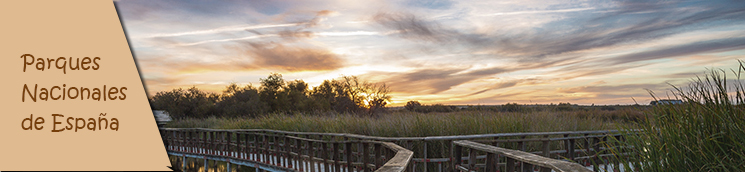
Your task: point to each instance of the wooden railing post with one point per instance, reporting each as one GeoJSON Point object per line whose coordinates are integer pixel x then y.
{"type": "Point", "coordinates": [377, 160]}
{"type": "Point", "coordinates": [410, 146]}
{"type": "Point", "coordinates": [510, 164]}
{"type": "Point", "coordinates": [570, 149]}
{"type": "Point", "coordinates": [311, 155]}
{"type": "Point", "coordinates": [365, 156]}
{"type": "Point", "coordinates": [472, 154]}
{"type": "Point", "coordinates": [491, 164]}
{"type": "Point", "coordinates": [336, 156]}
{"type": "Point", "coordinates": [266, 153]}
{"type": "Point", "coordinates": [286, 152]}
{"type": "Point", "coordinates": [275, 152]}
{"type": "Point", "coordinates": [546, 149]}
{"type": "Point", "coordinates": [425, 156]}
{"type": "Point", "coordinates": [348, 153]}
{"type": "Point", "coordinates": [325, 155]}
{"type": "Point", "coordinates": [226, 143]}
{"type": "Point", "coordinates": [455, 157]}
{"type": "Point", "coordinates": [522, 147]}
{"type": "Point", "coordinates": [300, 160]}
{"type": "Point", "coordinates": [213, 143]}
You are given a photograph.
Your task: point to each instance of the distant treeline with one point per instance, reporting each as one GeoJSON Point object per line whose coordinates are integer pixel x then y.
{"type": "Point", "coordinates": [346, 94]}
{"type": "Point", "coordinates": [415, 106]}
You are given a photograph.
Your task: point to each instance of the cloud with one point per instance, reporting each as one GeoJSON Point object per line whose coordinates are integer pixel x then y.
{"type": "Point", "coordinates": [431, 4]}
{"type": "Point", "coordinates": [434, 80]}
{"type": "Point", "coordinates": [292, 58]}
{"type": "Point", "coordinates": [495, 87]}
{"type": "Point", "coordinates": [624, 88]}
{"type": "Point", "coordinates": [624, 25]}
{"type": "Point", "coordinates": [719, 45]}
{"type": "Point", "coordinates": [539, 12]}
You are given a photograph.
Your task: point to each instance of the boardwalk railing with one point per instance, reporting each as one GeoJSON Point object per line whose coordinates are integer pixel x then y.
{"type": "Point", "coordinates": [494, 156]}
{"type": "Point", "coordinates": [275, 152]}
{"type": "Point", "coordinates": [588, 148]}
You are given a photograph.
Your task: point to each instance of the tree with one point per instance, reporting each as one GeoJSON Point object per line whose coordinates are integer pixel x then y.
{"type": "Point", "coordinates": [192, 102]}
{"type": "Point", "coordinates": [297, 96]}
{"type": "Point", "coordinates": [347, 94]}
{"type": "Point", "coordinates": [270, 88]}
{"type": "Point", "coordinates": [412, 105]}
{"type": "Point", "coordinates": [377, 97]}
{"type": "Point", "coordinates": [323, 95]}
{"type": "Point", "coordinates": [241, 101]}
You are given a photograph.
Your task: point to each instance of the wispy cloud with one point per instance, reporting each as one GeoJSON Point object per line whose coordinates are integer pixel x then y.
{"type": "Point", "coordinates": [225, 40]}
{"type": "Point", "coordinates": [218, 30]}
{"type": "Point", "coordinates": [537, 12]}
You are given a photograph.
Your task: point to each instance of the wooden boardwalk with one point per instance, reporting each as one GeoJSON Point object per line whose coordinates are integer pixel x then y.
{"type": "Point", "coordinates": [272, 150]}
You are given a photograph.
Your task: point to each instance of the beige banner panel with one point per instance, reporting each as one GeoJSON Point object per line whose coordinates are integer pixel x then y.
{"type": "Point", "coordinates": [68, 64]}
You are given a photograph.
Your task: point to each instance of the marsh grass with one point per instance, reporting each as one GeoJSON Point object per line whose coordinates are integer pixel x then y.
{"type": "Point", "coordinates": [707, 133]}
{"type": "Point", "coordinates": [413, 124]}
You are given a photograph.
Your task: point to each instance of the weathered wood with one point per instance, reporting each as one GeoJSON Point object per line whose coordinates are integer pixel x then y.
{"type": "Point", "coordinates": [491, 164]}
{"type": "Point", "coordinates": [399, 161]}
{"type": "Point", "coordinates": [275, 151]}
{"type": "Point", "coordinates": [557, 165]}
{"type": "Point", "coordinates": [570, 149]}
{"type": "Point", "coordinates": [348, 154]}
{"type": "Point", "coordinates": [227, 143]}
{"type": "Point", "coordinates": [337, 156]}
{"type": "Point", "coordinates": [377, 160]}
{"type": "Point", "coordinates": [472, 159]}
{"type": "Point", "coordinates": [325, 155]}
{"type": "Point", "coordinates": [510, 164]}
{"type": "Point", "coordinates": [365, 156]}
{"type": "Point", "coordinates": [456, 155]}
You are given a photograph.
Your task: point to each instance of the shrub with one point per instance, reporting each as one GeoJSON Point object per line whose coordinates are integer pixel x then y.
{"type": "Point", "coordinates": [564, 107]}
{"type": "Point", "coordinates": [510, 107]}
{"type": "Point", "coordinates": [412, 105]}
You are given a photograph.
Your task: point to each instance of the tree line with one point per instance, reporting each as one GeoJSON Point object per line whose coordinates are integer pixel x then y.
{"type": "Point", "coordinates": [347, 94]}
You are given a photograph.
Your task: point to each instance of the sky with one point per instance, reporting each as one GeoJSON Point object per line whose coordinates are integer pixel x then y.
{"type": "Point", "coordinates": [467, 52]}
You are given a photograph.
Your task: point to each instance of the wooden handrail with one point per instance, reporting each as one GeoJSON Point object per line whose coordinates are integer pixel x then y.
{"type": "Point", "coordinates": [399, 161]}
{"type": "Point", "coordinates": [556, 165]}
{"type": "Point", "coordinates": [276, 150]}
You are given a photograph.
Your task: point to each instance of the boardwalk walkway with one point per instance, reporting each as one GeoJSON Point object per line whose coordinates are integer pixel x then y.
{"type": "Point", "coordinates": [272, 150]}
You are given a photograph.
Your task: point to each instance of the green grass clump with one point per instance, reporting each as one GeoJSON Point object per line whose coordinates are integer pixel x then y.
{"type": "Point", "coordinates": [707, 133]}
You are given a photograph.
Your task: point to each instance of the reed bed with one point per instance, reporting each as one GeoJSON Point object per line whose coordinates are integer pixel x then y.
{"type": "Point", "coordinates": [707, 133]}
{"type": "Point", "coordinates": [413, 124]}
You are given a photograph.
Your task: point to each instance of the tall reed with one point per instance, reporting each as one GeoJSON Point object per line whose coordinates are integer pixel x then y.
{"type": "Point", "coordinates": [707, 133]}
{"type": "Point", "coordinates": [413, 124]}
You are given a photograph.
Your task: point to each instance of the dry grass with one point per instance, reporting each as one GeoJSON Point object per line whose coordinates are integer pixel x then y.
{"type": "Point", "coordinates": [412, 124]}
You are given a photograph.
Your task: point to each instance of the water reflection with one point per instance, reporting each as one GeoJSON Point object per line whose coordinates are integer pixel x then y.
{"type": "Point", "coordinates": [197, 165]}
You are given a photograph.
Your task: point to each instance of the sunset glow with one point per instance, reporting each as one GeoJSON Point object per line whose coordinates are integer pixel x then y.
{"type": "Point", "coordinates": [451, 52]}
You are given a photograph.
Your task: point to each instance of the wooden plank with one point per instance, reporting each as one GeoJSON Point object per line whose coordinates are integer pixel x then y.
{"type": "Point", "coordinates": [398, 162]}
{"type": "Point", "coordinates": [557, 165]}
